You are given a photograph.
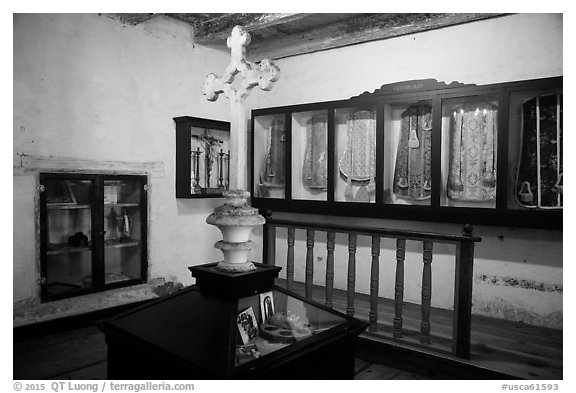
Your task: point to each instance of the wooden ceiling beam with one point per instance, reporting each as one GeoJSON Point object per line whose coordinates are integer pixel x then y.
{"type": "Point", "coordinates": [217, 29]}
{"type": "Point", "coordinates": [356, 30]}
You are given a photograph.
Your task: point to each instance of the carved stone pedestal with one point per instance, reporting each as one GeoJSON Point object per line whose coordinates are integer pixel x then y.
{"type": "Point", "coordinates": [235, 219]}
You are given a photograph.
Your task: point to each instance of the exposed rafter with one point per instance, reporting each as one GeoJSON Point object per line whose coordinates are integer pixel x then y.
{"type": "Point", "coordinates": [281, 35]}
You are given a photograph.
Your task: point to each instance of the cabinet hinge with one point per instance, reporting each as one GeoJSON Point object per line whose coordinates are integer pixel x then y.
{"type": "Point", "coordinates": [41, 281]}
{"type": "Point", "coordinates": [40, 188]}
{"type": "Point", "coordinates": [146, 187]}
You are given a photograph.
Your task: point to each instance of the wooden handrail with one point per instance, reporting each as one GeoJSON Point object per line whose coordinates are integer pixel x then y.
{"type": "Point", "coordinates": [464, 262]}
{"type": "Point", "coordinates": [466, 237]}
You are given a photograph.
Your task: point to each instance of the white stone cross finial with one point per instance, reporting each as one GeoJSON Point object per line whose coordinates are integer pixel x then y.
{"type": "Point", "coordinates": [263, 74]}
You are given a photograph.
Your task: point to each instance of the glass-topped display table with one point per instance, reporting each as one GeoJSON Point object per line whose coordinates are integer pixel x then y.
{"type": "Point", "coordinates": [232, 326]}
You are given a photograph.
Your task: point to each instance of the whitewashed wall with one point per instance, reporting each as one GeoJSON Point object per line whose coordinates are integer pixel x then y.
{"type": "Point", "coordinates": [518, 272]}
{"type": "Point", "coordinates": [88, 87]}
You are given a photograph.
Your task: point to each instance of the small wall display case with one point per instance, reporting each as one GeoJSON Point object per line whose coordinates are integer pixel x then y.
{"type": "Point", "coordinates": [93, 231]}
{"type": "Point", "coordinates": [418, 150]}
{"type": "Point", "coordinates": [202, 157]}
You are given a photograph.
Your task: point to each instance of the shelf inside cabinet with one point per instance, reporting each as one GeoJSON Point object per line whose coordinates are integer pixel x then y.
{"type": "Point", "coordinates": [119, 244]}
{"type": "Point", "coordinates": [67, 206]}
{"type": "Point", "coordinates": [121, 204]}
{"type": "Point", "coordinates": [64, 248]}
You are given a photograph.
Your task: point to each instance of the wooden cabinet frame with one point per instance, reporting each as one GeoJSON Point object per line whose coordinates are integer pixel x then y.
{"type": "Point", "coordinates": [436, 93]}
{"type": "Point", "coordinates": [184, 126]}
{"type": "Point", "coordinates": [98, 245]}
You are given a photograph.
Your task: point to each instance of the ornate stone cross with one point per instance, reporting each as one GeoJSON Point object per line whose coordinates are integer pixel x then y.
{"type": "Point", "coordinates": [263, 74]}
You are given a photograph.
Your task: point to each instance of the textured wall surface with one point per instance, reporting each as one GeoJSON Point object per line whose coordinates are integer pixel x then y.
{"type": "Point", "coordinates": [518, 272]}
{"type": "Point", "coordinates": [89, 89]}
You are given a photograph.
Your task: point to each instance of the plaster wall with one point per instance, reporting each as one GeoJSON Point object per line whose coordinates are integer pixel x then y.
{"type": "Point", "coordinates": [518, 272]}
{"type": "Point", "coordinates": [90, 89]}
{"type": "Point", "coordinates": [87, 87]}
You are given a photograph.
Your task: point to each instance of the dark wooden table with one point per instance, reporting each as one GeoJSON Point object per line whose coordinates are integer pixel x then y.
{"type": "Point", "coordinates": [191, 335]}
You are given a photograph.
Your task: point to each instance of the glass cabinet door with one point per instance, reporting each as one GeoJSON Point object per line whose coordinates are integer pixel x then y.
{"type": "Point", "coordinates": [310, 155]}
{"type": "Point", "coordinates": [535, 150]}
{"type": "Point", "coordinates": [68, 236]}
{"type": "Point", "coordinates": [269, 156]}
{"type": "Point", "coordinates": [408, 153]}
{"type": "Point", "coordinates": [469, 151]}
{"type": "Point", "coordinates": [122, 230]}
{"type": "Point", "coordinates": [92, 232]}
{"type": "Point", "coordinates": [273, 320]}
{"type": "Point", "coordinates": [355, 139]}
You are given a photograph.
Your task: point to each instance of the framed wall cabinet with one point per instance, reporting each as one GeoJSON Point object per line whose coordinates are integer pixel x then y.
{"type": "Point", "coordinates": [202, 157]}
{"type": "Point", "coordinates": [93, 233]}
{"type": "Point", "coordinates": [418, 150]}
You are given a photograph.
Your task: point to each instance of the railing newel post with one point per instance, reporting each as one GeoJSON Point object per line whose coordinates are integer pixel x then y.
{"type": "Point", "coordinates": [269, 239]}
{"type": "Point", "coordinates": [463, 279]}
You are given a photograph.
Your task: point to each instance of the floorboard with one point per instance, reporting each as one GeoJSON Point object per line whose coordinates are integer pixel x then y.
{"type": "Point", "coordinates": [81, 355]}
{"type": "Point", "coordinates": [511, 348]}
{"type": "Point", "coordinates": [514, 349]}
{"type": "Point", "coordinates": [59, 354]}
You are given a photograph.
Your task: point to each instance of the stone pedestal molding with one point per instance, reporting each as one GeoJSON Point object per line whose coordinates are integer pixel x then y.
{"type": "Point", "coordinates": [235, 219]}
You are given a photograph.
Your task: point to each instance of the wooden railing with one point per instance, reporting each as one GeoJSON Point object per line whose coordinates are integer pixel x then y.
{"type": "Point", "coordinates": [464, 262]}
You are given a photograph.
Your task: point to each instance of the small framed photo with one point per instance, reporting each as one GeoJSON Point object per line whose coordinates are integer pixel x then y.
{"type": "Point", "coordinates": [266, 305]}
{"type": "Point", "coordinates": [247, 325]}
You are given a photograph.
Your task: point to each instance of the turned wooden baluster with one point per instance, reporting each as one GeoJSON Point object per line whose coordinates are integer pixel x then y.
{"type": "Point", "coordinates": [351, 273]}
{"type": "Point", "coordinates": [330, 243]}
{"type": "Point", "coordinates": [374, 278]}
{"type": "Point", "coordinates": [290, 259]}
{"type": "Point", "coordinates": [399, 287]}
{"type": "Point", "coordinates": [309, 262]}
{"type": "Point", "coordinates": [426, 293]}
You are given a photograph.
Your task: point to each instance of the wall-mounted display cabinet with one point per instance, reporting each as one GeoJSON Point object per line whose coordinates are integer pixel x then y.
{"type": "Point", "coordinates": [93, 233]}
{"type": "Point", "coordinates": [418, 150]}
{"type": "Point", "coordinates": [202, 157]}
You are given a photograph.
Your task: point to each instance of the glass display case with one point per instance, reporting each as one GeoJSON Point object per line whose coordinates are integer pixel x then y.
{"type": "Point", "coordinates": [273, 320]}
{"type": "Point", "coordinates": [93, 233]}
{"type": "Point", "coordinates": [310, 155]}
{"type": "Point", "coordinates": [418, 150]}
{"type": "Point", "coordinates": [202, 157]}
{"type": "Point", "coordinates": [232, 326]}
{"type": "Point", "coordinates": [408, 152]}
{"type": "Point", "coordinates": [469, 154]}
{"type": "Point", "coordinates": [355, 158]}
{"type": "Point", "coordinates": [535, 150]}
{"type": "Point", "coordinates": [269, 154]}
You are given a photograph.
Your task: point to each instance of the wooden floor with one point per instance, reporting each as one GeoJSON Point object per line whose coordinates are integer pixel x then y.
{"type": "Point", "coordinates": [515, 350]}
{"type": "Point", "coordinates": [510, 348]}
{"type": "Point", "coordinates": [81, 354]}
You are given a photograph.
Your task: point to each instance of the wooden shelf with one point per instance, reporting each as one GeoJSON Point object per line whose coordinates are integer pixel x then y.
{"type": "Point", "coordinates": [72, 206]}
{"type": "Point", "coordinates": [117, 244]}
{"type": "Point", "coordinates": [67, 206]}
{"type": "Point", "coordinates": [66, 249]}
{"type": "Point", "coordinates": [63, 248]}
